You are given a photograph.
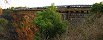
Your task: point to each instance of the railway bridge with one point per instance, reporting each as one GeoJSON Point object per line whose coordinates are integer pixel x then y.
{"type": "Point", "coordinates": [75, 14]}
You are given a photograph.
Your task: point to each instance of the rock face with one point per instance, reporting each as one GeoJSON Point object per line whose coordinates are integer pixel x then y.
{"type": "Point", "coordinates": [20, 26]}
{"type": "Point", "coordinates": [23, 24]}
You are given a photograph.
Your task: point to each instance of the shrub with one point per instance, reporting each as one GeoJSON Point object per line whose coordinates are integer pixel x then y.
{"type": "Point", "coordinates": [50, 23]}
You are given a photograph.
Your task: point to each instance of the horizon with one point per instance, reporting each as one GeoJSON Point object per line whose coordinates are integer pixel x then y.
{"type": "Point", "coordinates": [43, 3]}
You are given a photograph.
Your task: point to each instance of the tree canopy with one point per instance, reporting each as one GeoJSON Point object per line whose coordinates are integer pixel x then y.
{"type": "Point", "coordinates": [49, 22]}
{"type": "Point", "coordinates": [97, 7]}
{"type": "Point", "coordinates": [3, 23]}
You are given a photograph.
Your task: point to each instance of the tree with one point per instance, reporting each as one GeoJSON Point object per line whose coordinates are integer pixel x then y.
{"type": "Point", "coordinates": [8, 11]}
{"type": "Point", "coordinates": [3, 23]}
{"type": "Point", "coordinates": [98, 9]}
{"type": "Point", "coordinates": [50, 23]}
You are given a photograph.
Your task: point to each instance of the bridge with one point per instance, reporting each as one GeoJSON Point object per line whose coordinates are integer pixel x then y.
{"type": "Point", "coordinates": [70, 11]}
{"type": "Point", "coordinates": [73, 13]}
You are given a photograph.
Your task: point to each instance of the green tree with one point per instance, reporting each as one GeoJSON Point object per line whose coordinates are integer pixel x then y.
{"type": "Point", "coordinates": [98, 9]}
{"type": "Point", "coordinates": [3, 23]}
{"type": "Point", "coordinates": [50, 23]}
{"type": "Point", "coordinates": [8, 11]}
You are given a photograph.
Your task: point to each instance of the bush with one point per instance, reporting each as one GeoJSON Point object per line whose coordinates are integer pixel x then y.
{"type": "Point", "coordinates": [3, 23]}
{"type": "Point", "coordinates": [50, 23]}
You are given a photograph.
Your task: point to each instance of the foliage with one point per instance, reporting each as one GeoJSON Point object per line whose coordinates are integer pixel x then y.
{"type": "Point", "coordinates": [3, 22]}
{"type": "Point", "coordinates": [97, 10]}
{"type": "Point", "coordinates": [7, 11]}
{"type": "Point", "coordinates": [36, 36]}
{"type": "Point", "coordinates": [97, 7]}
{"type": "Point", "coordinates": [50, 23]}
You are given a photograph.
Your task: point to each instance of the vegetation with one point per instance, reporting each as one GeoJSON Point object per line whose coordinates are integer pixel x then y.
{"type": "Point", "coordinates": [97, 8]}
{"type": "Point", "coordinates": [3, 23]}
{"type": "Point", "coordinates": [50, 23]}
{"type": "Point", "coordinates": [8, 11]}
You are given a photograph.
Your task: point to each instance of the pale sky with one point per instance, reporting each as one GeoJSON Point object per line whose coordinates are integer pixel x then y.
{"type": "Point", "coordinates": [40, 3]}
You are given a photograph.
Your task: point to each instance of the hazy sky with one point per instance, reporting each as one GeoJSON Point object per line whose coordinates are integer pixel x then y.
{"type": "Point", "coordinates": [39, 3]}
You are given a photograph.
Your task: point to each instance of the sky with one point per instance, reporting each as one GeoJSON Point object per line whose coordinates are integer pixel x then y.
{"type": "Point", "coordinates": [40, 3]}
